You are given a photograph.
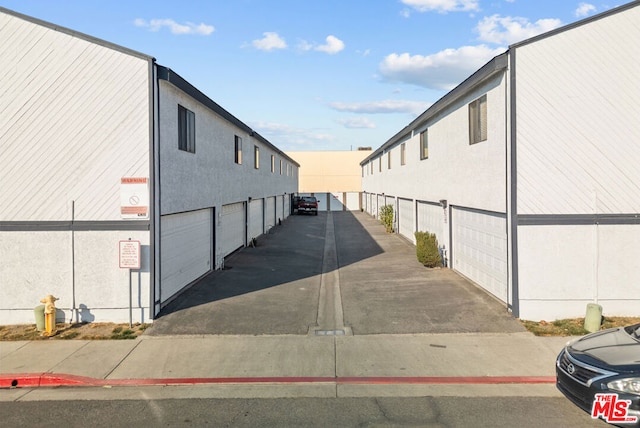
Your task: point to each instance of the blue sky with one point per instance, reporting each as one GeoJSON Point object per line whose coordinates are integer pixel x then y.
{"type": "Point", "coordinates": [317, 74]}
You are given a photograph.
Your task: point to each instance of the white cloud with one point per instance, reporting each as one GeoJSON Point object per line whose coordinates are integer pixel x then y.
{"type": "Point", "coordinates": [287, 137]}
{"type": "Point", "coordinates": [442, 70]}
{"type": "Point", "coordinates": [386, 106]}
{"type": "Point", "coordinates": [174, 27]}
{"type": "Point", "coordinates": [269, 42]}
{"type": "Point", "coordinates": [356, 123]}
{"type": "Point", "coordinates": [442, 6]}
{"type": "Point", "coordinates": [506, 30]}
{"type": "Point", "coordinates": [333, 45]}
{"type": "Point", "coordinates": [584, 9]}
{"type": "Point", "coordinates": [305, 46]}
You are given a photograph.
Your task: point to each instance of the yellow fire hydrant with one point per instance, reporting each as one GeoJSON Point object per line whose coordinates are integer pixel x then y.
{"type": "Point", "coordinates": [49, 315]}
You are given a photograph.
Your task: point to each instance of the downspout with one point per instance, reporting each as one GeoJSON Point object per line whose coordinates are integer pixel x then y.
{"type": "Point", "coordinates": [154, 190]}
{"type": "Point", "coordinates": [73, 264]}
{"type": "Point", "coordinates": [512, 179]}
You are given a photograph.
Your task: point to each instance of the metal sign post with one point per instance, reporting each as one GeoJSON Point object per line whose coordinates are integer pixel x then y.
{"type": "Point", "coordinates": [129, 256]}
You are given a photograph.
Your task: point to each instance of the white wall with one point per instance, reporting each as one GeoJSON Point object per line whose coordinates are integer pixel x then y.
{"type": "Point", "coordinates": [210, 177]}
{"type": "Point", "coordinates": [466, 175]}
{"type": "Point", "coordinates": [577, 154]}
{"type": "Point", "coordinates": [577, 119]}
{"type": "Point", "coordinates": [74, 120]}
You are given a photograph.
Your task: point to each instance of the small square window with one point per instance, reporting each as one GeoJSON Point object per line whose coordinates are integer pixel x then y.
{"type": "Point", "coordinates": [186, 130]}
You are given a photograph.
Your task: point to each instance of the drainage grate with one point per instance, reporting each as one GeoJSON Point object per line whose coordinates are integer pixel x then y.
{"type": "Point", "coordinates": [330, 333]}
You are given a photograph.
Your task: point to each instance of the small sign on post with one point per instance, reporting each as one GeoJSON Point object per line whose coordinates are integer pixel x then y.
{"type": "Point", "coordinates": [129, 254]}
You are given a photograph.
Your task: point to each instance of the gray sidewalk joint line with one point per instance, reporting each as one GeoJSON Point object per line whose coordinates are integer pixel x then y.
{"type": "Point", "coordinates": [122, 359]}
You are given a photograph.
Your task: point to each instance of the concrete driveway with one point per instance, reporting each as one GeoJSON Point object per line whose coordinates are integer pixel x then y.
{"type": "Point", "coordinates": [336, 273]}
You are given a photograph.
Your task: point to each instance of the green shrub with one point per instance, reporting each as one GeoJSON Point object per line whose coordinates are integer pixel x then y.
{"type": "Point", "coordinates": [427, 249]}
{"type": "Point", "coordinates": [386, 217]}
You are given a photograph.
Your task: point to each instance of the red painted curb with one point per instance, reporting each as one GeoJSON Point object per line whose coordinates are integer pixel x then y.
{"type": "Point", "coordinates": [31, 380]}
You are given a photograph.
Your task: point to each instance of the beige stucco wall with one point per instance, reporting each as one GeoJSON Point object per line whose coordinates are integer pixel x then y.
{"type": "Point", "coordinates": [330, 171]}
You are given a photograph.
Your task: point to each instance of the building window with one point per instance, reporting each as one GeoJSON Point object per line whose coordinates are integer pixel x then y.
{"type": "Point", "coordinates": [186, 130]}
{"type": "Point", "coordinates": [238, 150]}
{"type": "Point", "coordinates": [478, 120]}
{"type": "Point", "coordinates": [280, 166]}
{"type": "Point", "coordinates": [273, 163]}
{"type": "Point", "coordinates": [380, 164]}
{"type": "Point", "coordinates": [371, 166]}
{"type": "Point", "coordinates": [424, 144]}
{"type": "Point", "coordinates": [403, 155]}
{"type": "Point", "coordinates": [388, 160]}
{"type": "Point", "coordinates": [256, 157]}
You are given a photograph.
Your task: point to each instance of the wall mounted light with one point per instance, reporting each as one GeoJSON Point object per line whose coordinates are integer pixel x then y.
{"type": "Point", "coordinates": [443, 203]}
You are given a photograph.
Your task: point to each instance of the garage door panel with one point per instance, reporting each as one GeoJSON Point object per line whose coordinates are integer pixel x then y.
{"type": "Point", "coordinates": [271, 212]}
{"type": "Point", "coordinates": [405, 218]}
{"type": "Point", "coordinates": [480, 249]}
{"type": "Point", "coordinates": [232, 228]}
{"type": "Point", "coordinates": [336, 201]}
{"type": "Point", "coordinates": [256, 218]}
{"type": "Point", "coordinates": [186, 241]}
{"type": "Point", "coordinates": [280, 207]}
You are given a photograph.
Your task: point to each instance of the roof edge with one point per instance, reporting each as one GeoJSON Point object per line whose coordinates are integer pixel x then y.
{"type": "Point", "coordinates": [77, 34]}
{"type": "Point", "coordinates": [167, 74]}
{"type": "Point", "coordinates": [495, 65]}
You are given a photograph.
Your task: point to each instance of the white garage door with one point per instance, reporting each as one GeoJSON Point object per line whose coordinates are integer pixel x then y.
{"type": "Point", "coordinates": [287, 206]}
{"type": "Point", "coordinates": [405, 218]}
{"type": "Point", "coordinates": [270, 214]}
{"type": "Point", "coordinates": [322, 201]}
{"type": "Point", "coordinates": [431, 219]}
{"type": "Point", "coordinates": [186, 242]}
{"type": "Point", "coordinates": [232, 228]}
{"type": "Point", "coordinates": [336, 201]}
{"type": "Point", "coordinates": [256, 218]}
{"type": "Point", "coordinates": [480, 249]}
{"type": "Point", "coordinates": [353, 201]}
{"type": "Point", "coordinates": [280, 207]}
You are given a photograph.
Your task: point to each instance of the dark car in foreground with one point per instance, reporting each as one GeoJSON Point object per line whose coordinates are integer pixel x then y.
{"type": "Point", "coordinates": [600, 373]}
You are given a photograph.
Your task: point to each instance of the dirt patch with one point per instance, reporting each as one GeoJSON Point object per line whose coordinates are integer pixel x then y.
{"type": "Point", "coordinates": [574, 326]}
{"type": "Point", "coordinates": [79, 331]}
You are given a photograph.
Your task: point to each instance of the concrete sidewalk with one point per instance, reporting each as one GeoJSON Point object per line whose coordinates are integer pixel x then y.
{"type": "Point", "coordinates": [281, 366]}
{"type": "Point", "coordinates": [350, 313]}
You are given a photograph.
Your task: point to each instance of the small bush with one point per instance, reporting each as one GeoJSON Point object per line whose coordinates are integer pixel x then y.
{"type": "Point", "coordinates": [427, 249]}
{"type": "Point", "coordinates": [386, 217]}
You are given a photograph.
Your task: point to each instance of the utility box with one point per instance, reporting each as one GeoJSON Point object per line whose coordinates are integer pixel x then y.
{"type": "Point", "coordinates": [593, 319]}
{"type": "Point", "coordinates": [38, 312]}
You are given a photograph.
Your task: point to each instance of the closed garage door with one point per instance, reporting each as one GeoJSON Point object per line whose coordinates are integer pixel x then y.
{"type": "Point", "coordinates": [405, 217]}
{"type": "Point", "coordinates": [287, 205]}
{"type": "Point", "coordinates": [431, 219]}
{"type": "Point", "coordinates": [480, 249]}
{"type": "Point", "coordinates": [336, 201]}
{"type": "Point", "coordinates": [353, 201]}
{"type": "Point", "coordinates": [186, 242]}
{"type": "Point", "coordinates": [232, 228]}
{"type": "Point", "coordinates": [256, 218]}
{"type": "Point", "coordinates": [270, 214]}
{"type": "Point", "coordinates": [280, 207]}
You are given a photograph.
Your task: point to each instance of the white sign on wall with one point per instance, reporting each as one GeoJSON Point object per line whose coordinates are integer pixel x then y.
{"type": "Point", "coordinates": [129, 254]}
{"type": "Point", "coordinates": [134, 197]}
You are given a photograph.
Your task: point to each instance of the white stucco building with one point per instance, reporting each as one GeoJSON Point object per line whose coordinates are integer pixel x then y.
{"type": "Point", "coordinates": [109, 159]}
{"type": "Point", "coordinates": [528, 171]}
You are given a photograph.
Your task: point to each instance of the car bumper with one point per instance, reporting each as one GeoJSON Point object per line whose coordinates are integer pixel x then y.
{"type": "Point", "coordinates": [583, 395]}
